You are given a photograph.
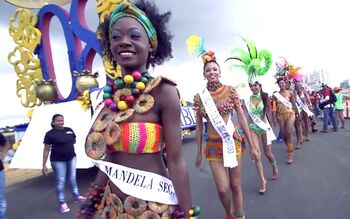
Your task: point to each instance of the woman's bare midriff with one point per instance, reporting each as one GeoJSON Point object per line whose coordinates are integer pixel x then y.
{"type": "Point", "coordinates": [225, 118]}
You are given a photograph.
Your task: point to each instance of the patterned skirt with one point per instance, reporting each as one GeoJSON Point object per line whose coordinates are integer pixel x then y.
{"type": "Point", "coordinates": [213, 149]}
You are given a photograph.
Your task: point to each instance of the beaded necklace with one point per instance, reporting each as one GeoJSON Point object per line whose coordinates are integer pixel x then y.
{"type": "Point", "coordinates": [213, 86]}
{"type": "Point", "coordinates": [125, 91]}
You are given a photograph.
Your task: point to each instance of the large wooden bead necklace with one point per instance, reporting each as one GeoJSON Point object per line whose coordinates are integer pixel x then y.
{"type": "Point", "coordinates": [127, 96]}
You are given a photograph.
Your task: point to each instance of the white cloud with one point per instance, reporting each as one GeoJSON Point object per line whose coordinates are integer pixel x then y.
{"type": "Point", "coordinates": [10, 103]}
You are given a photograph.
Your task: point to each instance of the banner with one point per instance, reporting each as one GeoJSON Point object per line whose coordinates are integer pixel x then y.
{"type": "Point", "coordinates": [188, 118]}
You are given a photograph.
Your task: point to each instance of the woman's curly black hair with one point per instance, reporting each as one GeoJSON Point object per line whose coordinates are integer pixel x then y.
{"type": "Point", "coordinates": [159, 21]}
{"type": "Point", "coordinates": [264, 97]}
{"type": "Point", "coordinates": [279, 79]}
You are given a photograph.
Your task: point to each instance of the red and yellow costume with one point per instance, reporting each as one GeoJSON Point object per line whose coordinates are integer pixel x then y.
{"type": "Point", "coordinates": [225, 99]}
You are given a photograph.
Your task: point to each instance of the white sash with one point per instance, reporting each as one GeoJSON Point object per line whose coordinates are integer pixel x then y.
{"type": "Point", "coordinates": [225, 131]}
{"type": "Point", "coordinates": [303, 106]}
{"type": "Point", "coordinates": [283, 100]}
{"type": "Point", "coordinates": [138, 183]}
{"type": "Point", "coordinates": [265, 126]}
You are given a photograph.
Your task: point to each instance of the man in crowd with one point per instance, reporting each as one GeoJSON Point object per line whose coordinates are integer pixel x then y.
{"type": "Point", "coordinates": [3, 150]}
{"type": "Point", "coordinates": [314, 98]}
{"type": "Point", "coordinates": [328, 109]}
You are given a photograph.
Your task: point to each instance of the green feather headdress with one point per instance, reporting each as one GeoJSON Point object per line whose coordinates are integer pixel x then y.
{"type": "Point", "coordinates": [255, 63]}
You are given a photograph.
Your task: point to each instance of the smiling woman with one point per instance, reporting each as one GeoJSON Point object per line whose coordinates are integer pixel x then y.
{"type": "Point", "coordinates": [128, 32]}
{"type": "Point", "coordinates": [216, 103]}
{"type": "Point", "coordinates": [144, 112]}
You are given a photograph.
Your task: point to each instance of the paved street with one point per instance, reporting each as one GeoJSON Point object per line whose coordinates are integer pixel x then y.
{"type": "Point", "coordinates": [317, 185]}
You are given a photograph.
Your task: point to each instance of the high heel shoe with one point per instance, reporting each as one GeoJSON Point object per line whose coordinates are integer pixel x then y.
{"type": "Point", "coordinates": [275, 173]}
{"type": "Point", "coordinates": [263, 190]}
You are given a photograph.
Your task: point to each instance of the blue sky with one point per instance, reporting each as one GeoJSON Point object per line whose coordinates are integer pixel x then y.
{"type": "Point", "coordinates": [311, 34]}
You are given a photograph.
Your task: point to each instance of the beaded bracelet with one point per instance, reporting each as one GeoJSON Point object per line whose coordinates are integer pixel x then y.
{"type": "Point", "coordinates": [93, 200]}
{"type": "Point", "coordinates": [193, 212]}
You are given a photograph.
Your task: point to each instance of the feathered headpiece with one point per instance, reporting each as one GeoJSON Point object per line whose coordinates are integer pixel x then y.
{"type": "Point", "coordinates": [255, 63]}
{"type": "Point", "coordinates": [287, 71]}
{"type": "Point", "coordinates": [196, 44]}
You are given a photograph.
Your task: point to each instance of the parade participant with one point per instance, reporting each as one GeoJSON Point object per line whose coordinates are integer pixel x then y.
{"type": "Point", "coordinates": [273, 110]}
{"type": "Point", "coordinates": [223, 146]}
{"type": "Point", "coordinates": [314, 101]}
{"type": "Point", "coordinates": [139, 117]}
{"type": "Point", "coordinates": [60, 141]}
{"type": "Point", "coordinates": [259, 106]}
{"type": "Point", "coordinates": [327, 105]}
{"type": "Point", "coordinates": [274, 118]}
{"type": "Point", "coordinates": [286, 113]}
{"type": "Point", "coordinates": [286, 106]}
{"type": "Point", "coordinates": [257, 63]}
{"type": "Point", "coordinates": [304, 106]}
{"type": "Point", "coordinates": [339, 107]}
{"type": "Point", "coordinates": [3, 150]}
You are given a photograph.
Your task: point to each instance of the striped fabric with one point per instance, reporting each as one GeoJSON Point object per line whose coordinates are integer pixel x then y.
{"type": "Point", "coordinates": [213, 149]}
{"type": "Point", "coordinates": [139, 138]}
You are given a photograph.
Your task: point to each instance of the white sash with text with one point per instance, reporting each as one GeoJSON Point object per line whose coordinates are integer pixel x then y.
{"type": "Point", "coordinates": [303, 106]}
{"type": "Point", "coordinates": [263, 125]}
{"type": "Point", "coordinates": [225, 131]}
{"type": "Point", "coordinates": [138, 183]}
{"type": "Point", "coordinates": [283, 100]}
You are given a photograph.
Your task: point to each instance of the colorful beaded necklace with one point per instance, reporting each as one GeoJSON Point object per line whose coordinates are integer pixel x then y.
{"type": "Point", "coordinates": [123, 94]}
{"type": "Point", "coordinates": [213, 86]}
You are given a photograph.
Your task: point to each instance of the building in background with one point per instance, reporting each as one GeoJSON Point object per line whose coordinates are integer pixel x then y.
{"type": "Point", "coordinates": [344, 84]}
{"type": "Point", "coordinates": [316, 78]}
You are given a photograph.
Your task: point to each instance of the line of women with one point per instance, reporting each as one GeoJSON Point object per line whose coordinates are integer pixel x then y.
{"type": "Point", "coordinates": [292, 111]}
{"type": "Point", "coordinates": [226, 100]}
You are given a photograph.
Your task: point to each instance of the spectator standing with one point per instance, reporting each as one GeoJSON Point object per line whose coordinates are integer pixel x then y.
{"type": "Point", "coordinates": [328, 109]}
{"type": "Point", "coordinates": [60, 141]}
{"type": "Point", "coordinates": [314, 98]}
{"type": "Point", "coordinates": [339, 107]}
{"type": "Point", "coordinates": [3, 149]}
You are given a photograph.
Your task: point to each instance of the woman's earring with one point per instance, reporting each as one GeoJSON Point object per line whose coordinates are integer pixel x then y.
{"type": "Point", "coordinates": [151, 58]}
{"type": "Point", "coordinates": [114, 64]}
